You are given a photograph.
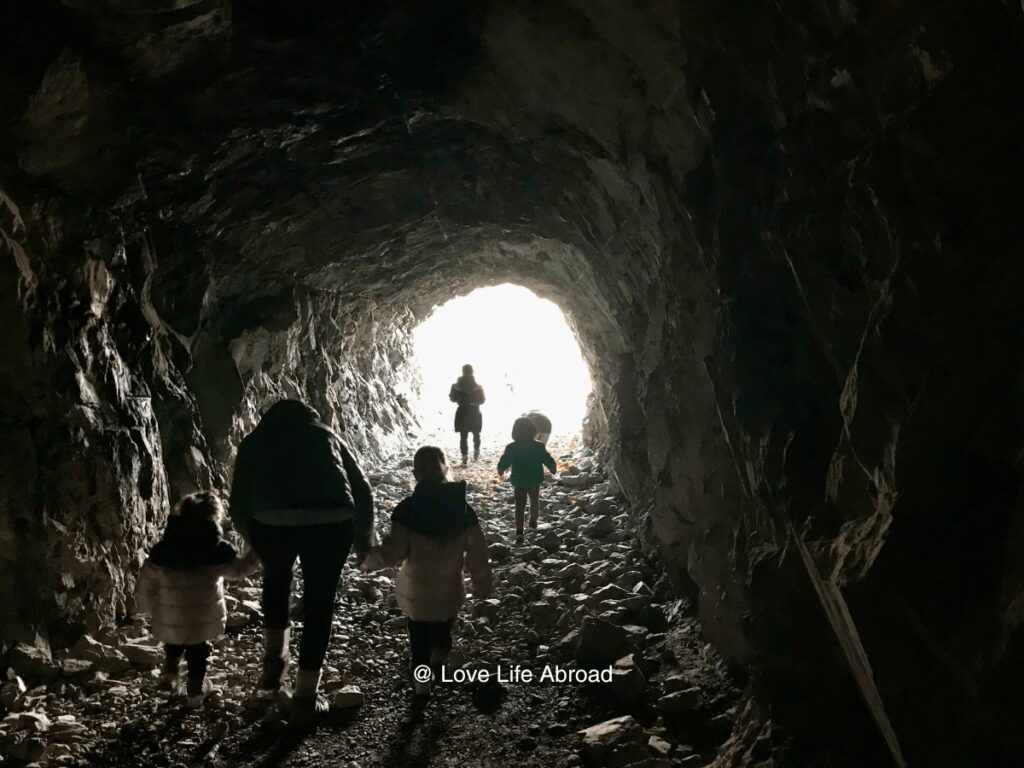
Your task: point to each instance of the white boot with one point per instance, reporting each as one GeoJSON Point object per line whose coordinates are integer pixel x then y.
{"type": "Point", "coordinates": [306, 702]}
{"type": "Point", "coordinates": [275, 661]}
{"type": "Point", "coordinates": [168, 681]}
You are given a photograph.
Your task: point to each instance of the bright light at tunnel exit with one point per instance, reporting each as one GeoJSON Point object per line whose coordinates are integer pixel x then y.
{"type": "Point", "coordinates": [523, 354]}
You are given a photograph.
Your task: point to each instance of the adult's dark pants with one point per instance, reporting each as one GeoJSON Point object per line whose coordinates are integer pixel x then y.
{"type": "Point", "coordinates": [322, 551]}
{"type": "Point", "coordinates": [429, 638]}
{"type": "Point", "coordinates": [464, 442]}
{"type": "Point", "coordinates": [196, 656]}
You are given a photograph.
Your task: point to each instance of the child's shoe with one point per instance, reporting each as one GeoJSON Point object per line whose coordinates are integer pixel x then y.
{"type": "Point", "coordinates": [198, 692]}
{"type": "Point", "coordinates": [168, 681]}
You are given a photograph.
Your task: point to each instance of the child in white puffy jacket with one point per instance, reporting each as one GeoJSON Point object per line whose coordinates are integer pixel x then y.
{"type": "Point", "coordinates": [436, 536]}
{"type": "Point", "coordinates": [181, 587]}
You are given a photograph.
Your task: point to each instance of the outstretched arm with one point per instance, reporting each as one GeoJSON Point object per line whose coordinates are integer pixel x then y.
{"type": "Point", "coordinates": [392, 550]}
{"type": "Point", "coordinates": [240, 567]}
{"type": "Point", "coordinates": [240, 502]}
{"type": "Point", "coordinates": [504, 462]}
{"type": "Point", "coordinates": [362, 495]}
{"type": "Point", "coordinates": [549, 462]}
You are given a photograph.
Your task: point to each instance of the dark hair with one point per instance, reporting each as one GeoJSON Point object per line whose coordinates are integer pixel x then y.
{"type": "Point", "coordinates": [201, 506]}
{"type": "Point", "coordinates": [437, 510]}
{"type": "Point", "coordinates": [467, 370]}
{"type": "Point", "coordinates": [193, 537]}
{"type": "Point", "coordinates": [524, 429]}
{"type": "Point", "coordinates": [290, 411]}
{"type": "Point", "coordinates": [429, 464]}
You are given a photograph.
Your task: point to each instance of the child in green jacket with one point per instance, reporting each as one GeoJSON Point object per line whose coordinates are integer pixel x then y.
{"type": "Point", "coordinates": [527, 457]}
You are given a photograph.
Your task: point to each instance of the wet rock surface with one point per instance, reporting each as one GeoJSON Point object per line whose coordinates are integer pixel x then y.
{"type": "Point", "coordinates": [69, 712]}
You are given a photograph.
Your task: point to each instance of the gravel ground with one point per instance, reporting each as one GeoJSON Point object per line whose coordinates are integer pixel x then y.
{"type": "Point", "coordinates": [577, 594]}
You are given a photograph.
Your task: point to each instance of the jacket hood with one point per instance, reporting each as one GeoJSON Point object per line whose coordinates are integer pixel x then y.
{"type": "Point", "coordinates": [436, 510]}
{"type": "Point", "coordinates": [290, 411]}
{"type": "Point", "coordinates": [465, 383]}
{"type": "Point", "coordinates": [189, 544]}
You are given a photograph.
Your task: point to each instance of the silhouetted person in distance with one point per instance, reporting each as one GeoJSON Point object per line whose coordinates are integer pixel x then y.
{"type": "Point", "coordinates": [299, 493]}
{"type": "Point", "coordinates": [470, 396]}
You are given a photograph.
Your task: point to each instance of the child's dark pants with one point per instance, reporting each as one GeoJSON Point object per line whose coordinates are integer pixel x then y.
{"type": "Point", "coordinates": [429, 638]}
{"type": "Point", "coordinates": [195, 658]}
{"type": "Point", "coordinates": [322, 551]}
{"type": "Point", "coordinates": [521, 494]}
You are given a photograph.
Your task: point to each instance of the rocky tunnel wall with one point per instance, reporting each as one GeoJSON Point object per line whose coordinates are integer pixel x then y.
{"type": "Point", "coordinates": [786, 236]}
{"type": "Point", "coordinates": [117, 403]}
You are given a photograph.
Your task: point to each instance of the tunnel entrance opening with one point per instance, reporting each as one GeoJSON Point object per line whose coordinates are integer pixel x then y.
{"type": "Point", "coordinates": [524, 354]}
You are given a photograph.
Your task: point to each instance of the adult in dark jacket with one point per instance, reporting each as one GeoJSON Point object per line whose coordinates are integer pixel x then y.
{"type": "Point", "coordinates": [299, 493]}
{"type": "Point", "coordinates": [470, 396]}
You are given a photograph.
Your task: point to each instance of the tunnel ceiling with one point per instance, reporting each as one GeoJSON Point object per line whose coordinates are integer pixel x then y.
{"type": "Point", "coordinates": [347, 166]}
{"type": "Point", "coordinates": [787, 235]}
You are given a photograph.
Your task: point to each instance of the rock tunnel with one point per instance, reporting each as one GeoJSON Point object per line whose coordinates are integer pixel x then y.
{"type": "Point", "coordinates": [786, 235]}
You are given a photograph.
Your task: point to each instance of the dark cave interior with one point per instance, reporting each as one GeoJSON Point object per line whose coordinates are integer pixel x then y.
{"type": "Point", "coordinates": [784, 233]}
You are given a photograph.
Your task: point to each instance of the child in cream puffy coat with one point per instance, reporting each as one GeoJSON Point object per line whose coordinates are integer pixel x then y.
{"type": "Point", "coordinates": [435, 536]}
{"type": "Point", "coordinates": [181, 587]}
